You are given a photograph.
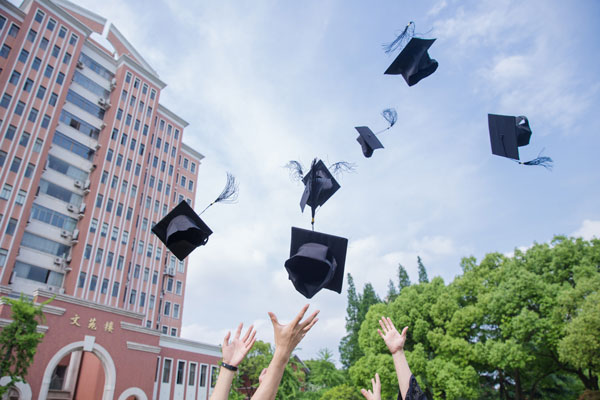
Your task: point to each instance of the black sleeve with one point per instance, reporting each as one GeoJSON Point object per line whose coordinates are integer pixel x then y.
{"type": "Point", "coordinates": [414, 391]}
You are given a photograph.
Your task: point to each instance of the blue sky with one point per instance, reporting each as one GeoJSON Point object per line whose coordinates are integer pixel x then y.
{"type": "Point", "coordinates": [264, 82]}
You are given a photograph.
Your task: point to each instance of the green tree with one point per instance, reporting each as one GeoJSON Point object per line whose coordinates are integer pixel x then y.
{"type": "Point", "coordinates": [403, 279]}
{"type": "Point", "coordinates": [392, 293]}
{"type": "Point", "coordinates": [342, 392]}
{"type": "Point", "coordinates": [19, 340]}
{"type": "Point", "coordinates": [357, 308]}
{"type": "Point", "coordinates": [422, 271]}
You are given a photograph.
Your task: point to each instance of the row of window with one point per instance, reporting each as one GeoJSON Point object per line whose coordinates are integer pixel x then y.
{"type": "Point", "coordinates": [192, 371]}
{"type": "Point", "coordinates": [20, 107]}
{"type": "Point", "coordinates": [136, 85]}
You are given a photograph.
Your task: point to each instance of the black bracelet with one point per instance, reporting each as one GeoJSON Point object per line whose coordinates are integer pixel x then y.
{"type": "Point", "coordinates": [229, 367]}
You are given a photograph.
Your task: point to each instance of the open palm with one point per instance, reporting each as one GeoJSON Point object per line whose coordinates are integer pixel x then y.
{"type": "Point", "coordinates": [390, 335]}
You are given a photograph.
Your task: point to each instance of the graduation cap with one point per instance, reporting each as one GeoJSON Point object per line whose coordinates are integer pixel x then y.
{"type": "Point", "coordinates": [413, 62]}
{"type": "Point", "coordinates": [319, 183]}
{"type": "Point", "coordinates": [182, 230]}
{"type": "Point", "coordinates": [368, 140]}
{"type": "Point", "coordinates": [316, 261]}
{"type": "Point", "coordinates": [508, 133]}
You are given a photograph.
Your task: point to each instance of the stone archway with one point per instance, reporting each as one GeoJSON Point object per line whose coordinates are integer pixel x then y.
{"type": "Point", "coordinates": [133, 391]}
{"type": "Point", "coordinates": [88, 344]}
{"type": "Point", "coordinates": [22, 387]}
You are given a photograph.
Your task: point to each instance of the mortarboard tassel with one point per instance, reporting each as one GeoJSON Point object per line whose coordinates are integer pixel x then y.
{"type": "Point", "coordinates": [391, 116]}
{"type": "Point", "coordinates": [403, 37]}
{"type": "Point", "coordinates": [342, 166]}
{"type": "Point", "coordinates": [229, 193]}
{"type": "Point", "coordinates": [544, 161]}
{"type": "Point", "coordinates": [296, 170]}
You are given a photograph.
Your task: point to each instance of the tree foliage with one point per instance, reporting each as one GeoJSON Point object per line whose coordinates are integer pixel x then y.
{"type": "Point", "coordinates": [358, 306]}
{"type": "Point", "coordinates": [422, 271]}
{"type": "Point", "coordinates": [19, 340]}
{"type": "Point", "coordinates": [525, 326]}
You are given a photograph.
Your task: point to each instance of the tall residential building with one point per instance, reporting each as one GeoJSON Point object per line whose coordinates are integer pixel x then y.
{"type": "Point", "coordinates": [89, 162]}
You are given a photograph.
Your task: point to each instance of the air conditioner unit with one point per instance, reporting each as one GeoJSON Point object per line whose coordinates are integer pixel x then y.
{"type": "Point", "coordinates": [79, 184]}
{"type": "Point", "coordinates": [102, 126]}
{"type": "Point", "coordinates": [79, 65]}
{"type": "Point", "coordinates": [64, 233]}
{"type": "Point", "coordinates": [93, 167]}
{"type": "Point", "coordinates": [75, 234]}
{"type": "Point", "coordinates": [86, 184]}
{"type": "Point", "coordinates": [68, 259]}
{"type": "Point", "coordinates": [97, 146]}
{"type": "Point", "coordinates": [82, 208]}
{"type": "Point", "coordinates": [113, 84]}
{"type": "Point", "coordinates": [170, 271]}
{"type": "Point", "coordinates": [58, 261]}
{"type": "Point", "coordinates": [72, 208]}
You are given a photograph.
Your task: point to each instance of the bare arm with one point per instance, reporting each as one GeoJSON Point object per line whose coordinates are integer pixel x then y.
{"type": "Point", "coordinates": [395, 343]}
{"type": "Point", "coordinates": [233, 354]}
{"type": "Point", "coordinates": [287, 338]}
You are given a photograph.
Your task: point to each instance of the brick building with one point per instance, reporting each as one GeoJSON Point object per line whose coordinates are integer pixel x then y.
{"type": "Point", "coordinates": [90, 160]}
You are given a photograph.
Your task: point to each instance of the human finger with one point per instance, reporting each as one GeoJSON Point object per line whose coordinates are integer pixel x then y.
{"type": "Point", "coordinates": [226, 339]}
{"type": "Point", "coordinates": [251, 339]}
{"type": "Point", "coordinates": [392, 327]}
{"type": "Point", "coordinates": [365, 393]}
{"type": "Point", "coordinates": [377, 382]}
{"type": "Point", "coordinates": [381, 334]}
{"type": "Point", "coordinates": [309, 326]}
{"type": "Point", "coordinates": [238, 331]}
{"type": "Point", "coordinates": [309, 320]}
{"type": "Point", "coordinates": [404, 331]}
{"type": "Point", "coordinates": [247, 333]}
{"type": "Point", "coordinates": [382, 322]}
{"type": "Point", "coordinates": [300, 315]}
{"type": "Point", "coordinates": [273, 319]}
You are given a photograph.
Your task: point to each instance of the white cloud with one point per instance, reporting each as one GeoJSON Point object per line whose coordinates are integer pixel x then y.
{"type": "Point", "coordinates": [589, 229]}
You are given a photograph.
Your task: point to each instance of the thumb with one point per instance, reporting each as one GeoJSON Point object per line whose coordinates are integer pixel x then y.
{"type": "Point", "coordinates": [273, 319]}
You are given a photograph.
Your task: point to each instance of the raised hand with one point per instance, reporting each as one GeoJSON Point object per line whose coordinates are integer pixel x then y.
{"type": "Point", "coordinates": [235, 351]}
{"type": "Point", "coordinates": [376, 393]}
{"type": "Point", "coordinates": [393, 340]}
{"type": "Point", "coordinates": [262, 375]}
{"type": "Point", "coordinates": [288, 336]}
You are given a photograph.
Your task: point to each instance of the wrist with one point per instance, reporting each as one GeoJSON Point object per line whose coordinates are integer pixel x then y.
{"type": "Point", "coordinates": [228, 366]}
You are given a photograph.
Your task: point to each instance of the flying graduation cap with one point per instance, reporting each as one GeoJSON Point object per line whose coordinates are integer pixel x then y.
{"type": "Point", "coordinates": [368, 140]}
{"type": "Point", "coordinates": [508, 133]}
{"type": "Point", "coordinates": [413, 62]}
{"type": "Point", "coordinates": [316, 261]}
{"type": "Point", "coordinates": [319, 183]}
{"type": "Point", "coordinates": [182, 230]}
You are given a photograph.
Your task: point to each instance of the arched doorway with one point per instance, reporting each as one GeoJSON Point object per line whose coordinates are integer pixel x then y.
{"type": "Point", "coordinates": [83, 369]}
{"type": "Point", "coordinates": [21, 390]}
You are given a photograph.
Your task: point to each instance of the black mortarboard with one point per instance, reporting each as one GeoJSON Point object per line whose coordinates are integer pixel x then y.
{"type": "Point", "coordinates": [507, 134]}
{"type": "Point", "coordinates": [319, 186]}
{"type": "Point", "coordinates": [182, 230]}
{"type": "Point", "coordinates": [413, 62]}
{"type": "Point", "coordinates": [316, 261]}
{"type": "Point", "coordinates": [368, 141]}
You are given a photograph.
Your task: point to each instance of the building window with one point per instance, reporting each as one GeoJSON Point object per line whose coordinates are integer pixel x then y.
{"type": "Point", "coordinates": [21, 195]}
{"type": "Point", "coordinates": [11, 226]}
{"type": "Point", "coordinates": [51, 24]}
{"type": "Point", "coordinates": [167, 310]}
{"type": "Point", "coordinates": [179, 287]}
{"type": "Point", "coordinates": [24, 139]}
{"type": "Point", "coordinates": [213, 376]}
{"type": "Point", "coordinates": [114, 234]}
{"type": "Point", "coordinates": [203, 370]}
{"type": "Point", "coordinates": [88, 251]}
{"type": "Point", "coordinates": [109, 258]}
{"type": "Point", "coordinates": [46, 121]}
{"type": "Point", "coordinates": [3, 257]}
{"type": "Point", "coordinates": [14, 77]}
{"type": "Point", "coordinates": [93, 283]}
{"type": "Point", "coordinates": [81, 282]}
{"type": "Point", "coordinates": [62, 32]}
{"type": "Point", "coordinates": [55, 51]}
{"type": "Point", "coordinates": [99, 255]}
{"type": "Point", "coordinates": [151, 302]}
{"type": "Point", "coordinates": [180, 368]}
{"type": "Point", "coordinates": [6, 192]}
{"type": "Point", "coordinates": [13, 31]}
{"type": "Point", "coordinates": [109, 205]}
{"type": "Point", "coordinates": [93, 225]}
{"type": "Point", "coordinates": [31, 35]}
{"type": "Point", "coordinates": [28, 171]}
{"type": "Point", "coordinates": [6, 98]}
{"type": "Point", "coordinates": [16, 164]}
{"type": "Point", "coordinates": [132, 296]}
{"type": "Point", "coordinates": [176, 311]}
{"type": "Point", "coordinates": [23, 55]}
{"type": "Point", "coordinates": [35, 65]}
{"type": "Point", "coordinates": [120, 262]}
{"type": "Point", "coordinates": [48, 71]}
{"type": "Point", "coordinates": [66, 58]}
{"type": "Point", "coordinates": [146, 274]}
{"type": "Point", "coordinates": [104, 288]}
{"type": "Point", "coordinates": [37, 147]}
{"type": "Point", "coordinates": [5, 51]}
{"type": "Point", "coordinates": [28, 85]}
{"type": "Point", "coordinates": [154, 277]}
{"type": "Point", "coordinates": [41, 92]}
{"type": "Point", "coordinates": [166, 371]}
{"type": "Point", "coordinates": [115, 289]}
{"type": "Point", "coordinates": [44, 44]}
{"type": "Point", "coordinates": [73, 40]}
{"type": "Point", "coordinates": [33, 115]}
{"type": "Point", "coordinates": [99, 201]}
{"type": "Point", "coordinates": [52, 100]}
{"type": "Point", "coordinates": [128, 77]}
{"type": "Point", "coordinates": [170, 285]}
{"type": "Point", "coordinates": [142, 299]}
{"type": "Point", "coordinates": [2, 158]}
{"type": "Point", "coordinates": [60, 78]}
{"type": "Point", "coordinates": [136, 271]}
